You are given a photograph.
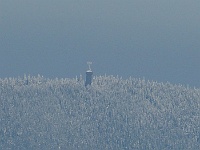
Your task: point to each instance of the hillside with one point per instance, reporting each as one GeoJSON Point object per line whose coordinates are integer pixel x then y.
{"type": "Point", "coordinates": [113, 113]}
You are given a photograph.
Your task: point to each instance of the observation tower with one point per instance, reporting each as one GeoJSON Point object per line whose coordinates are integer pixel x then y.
{"type": "Point", "coordinates": [89, 74]}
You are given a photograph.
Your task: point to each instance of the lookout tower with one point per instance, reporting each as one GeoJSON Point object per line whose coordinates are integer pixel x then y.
{"type": "Point", "coordinates": [89, 74]}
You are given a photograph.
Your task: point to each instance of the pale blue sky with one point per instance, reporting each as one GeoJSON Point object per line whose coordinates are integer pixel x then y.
{"type": "Point", "coordinates": [155, 39]}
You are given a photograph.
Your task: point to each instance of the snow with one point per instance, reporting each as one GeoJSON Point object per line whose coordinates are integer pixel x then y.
{"type": "Point", "coordinates": [113, 113]}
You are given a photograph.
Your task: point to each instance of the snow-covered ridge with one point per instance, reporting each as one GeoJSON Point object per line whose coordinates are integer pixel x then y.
{"type": "Point", "coordinates": [112, 113]}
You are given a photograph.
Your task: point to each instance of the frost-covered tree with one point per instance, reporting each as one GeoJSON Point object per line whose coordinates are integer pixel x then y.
{"type": "Point", "coordinates": [112, 113]}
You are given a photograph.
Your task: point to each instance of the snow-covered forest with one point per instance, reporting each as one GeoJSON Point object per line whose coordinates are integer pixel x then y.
{"type": "Point", "coordinates": [111, 114]}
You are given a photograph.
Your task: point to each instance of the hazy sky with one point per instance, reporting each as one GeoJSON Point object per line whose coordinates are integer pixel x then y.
{"type": "Point", "coordinates": [155, 39]}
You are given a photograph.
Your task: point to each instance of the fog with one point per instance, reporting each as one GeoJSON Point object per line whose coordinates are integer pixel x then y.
{"type": "Point", "coordinates": [158, 40]}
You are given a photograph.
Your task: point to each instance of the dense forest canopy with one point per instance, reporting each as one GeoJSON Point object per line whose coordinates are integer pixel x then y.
{"type": "Point", "coordinates": [112, 113]}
